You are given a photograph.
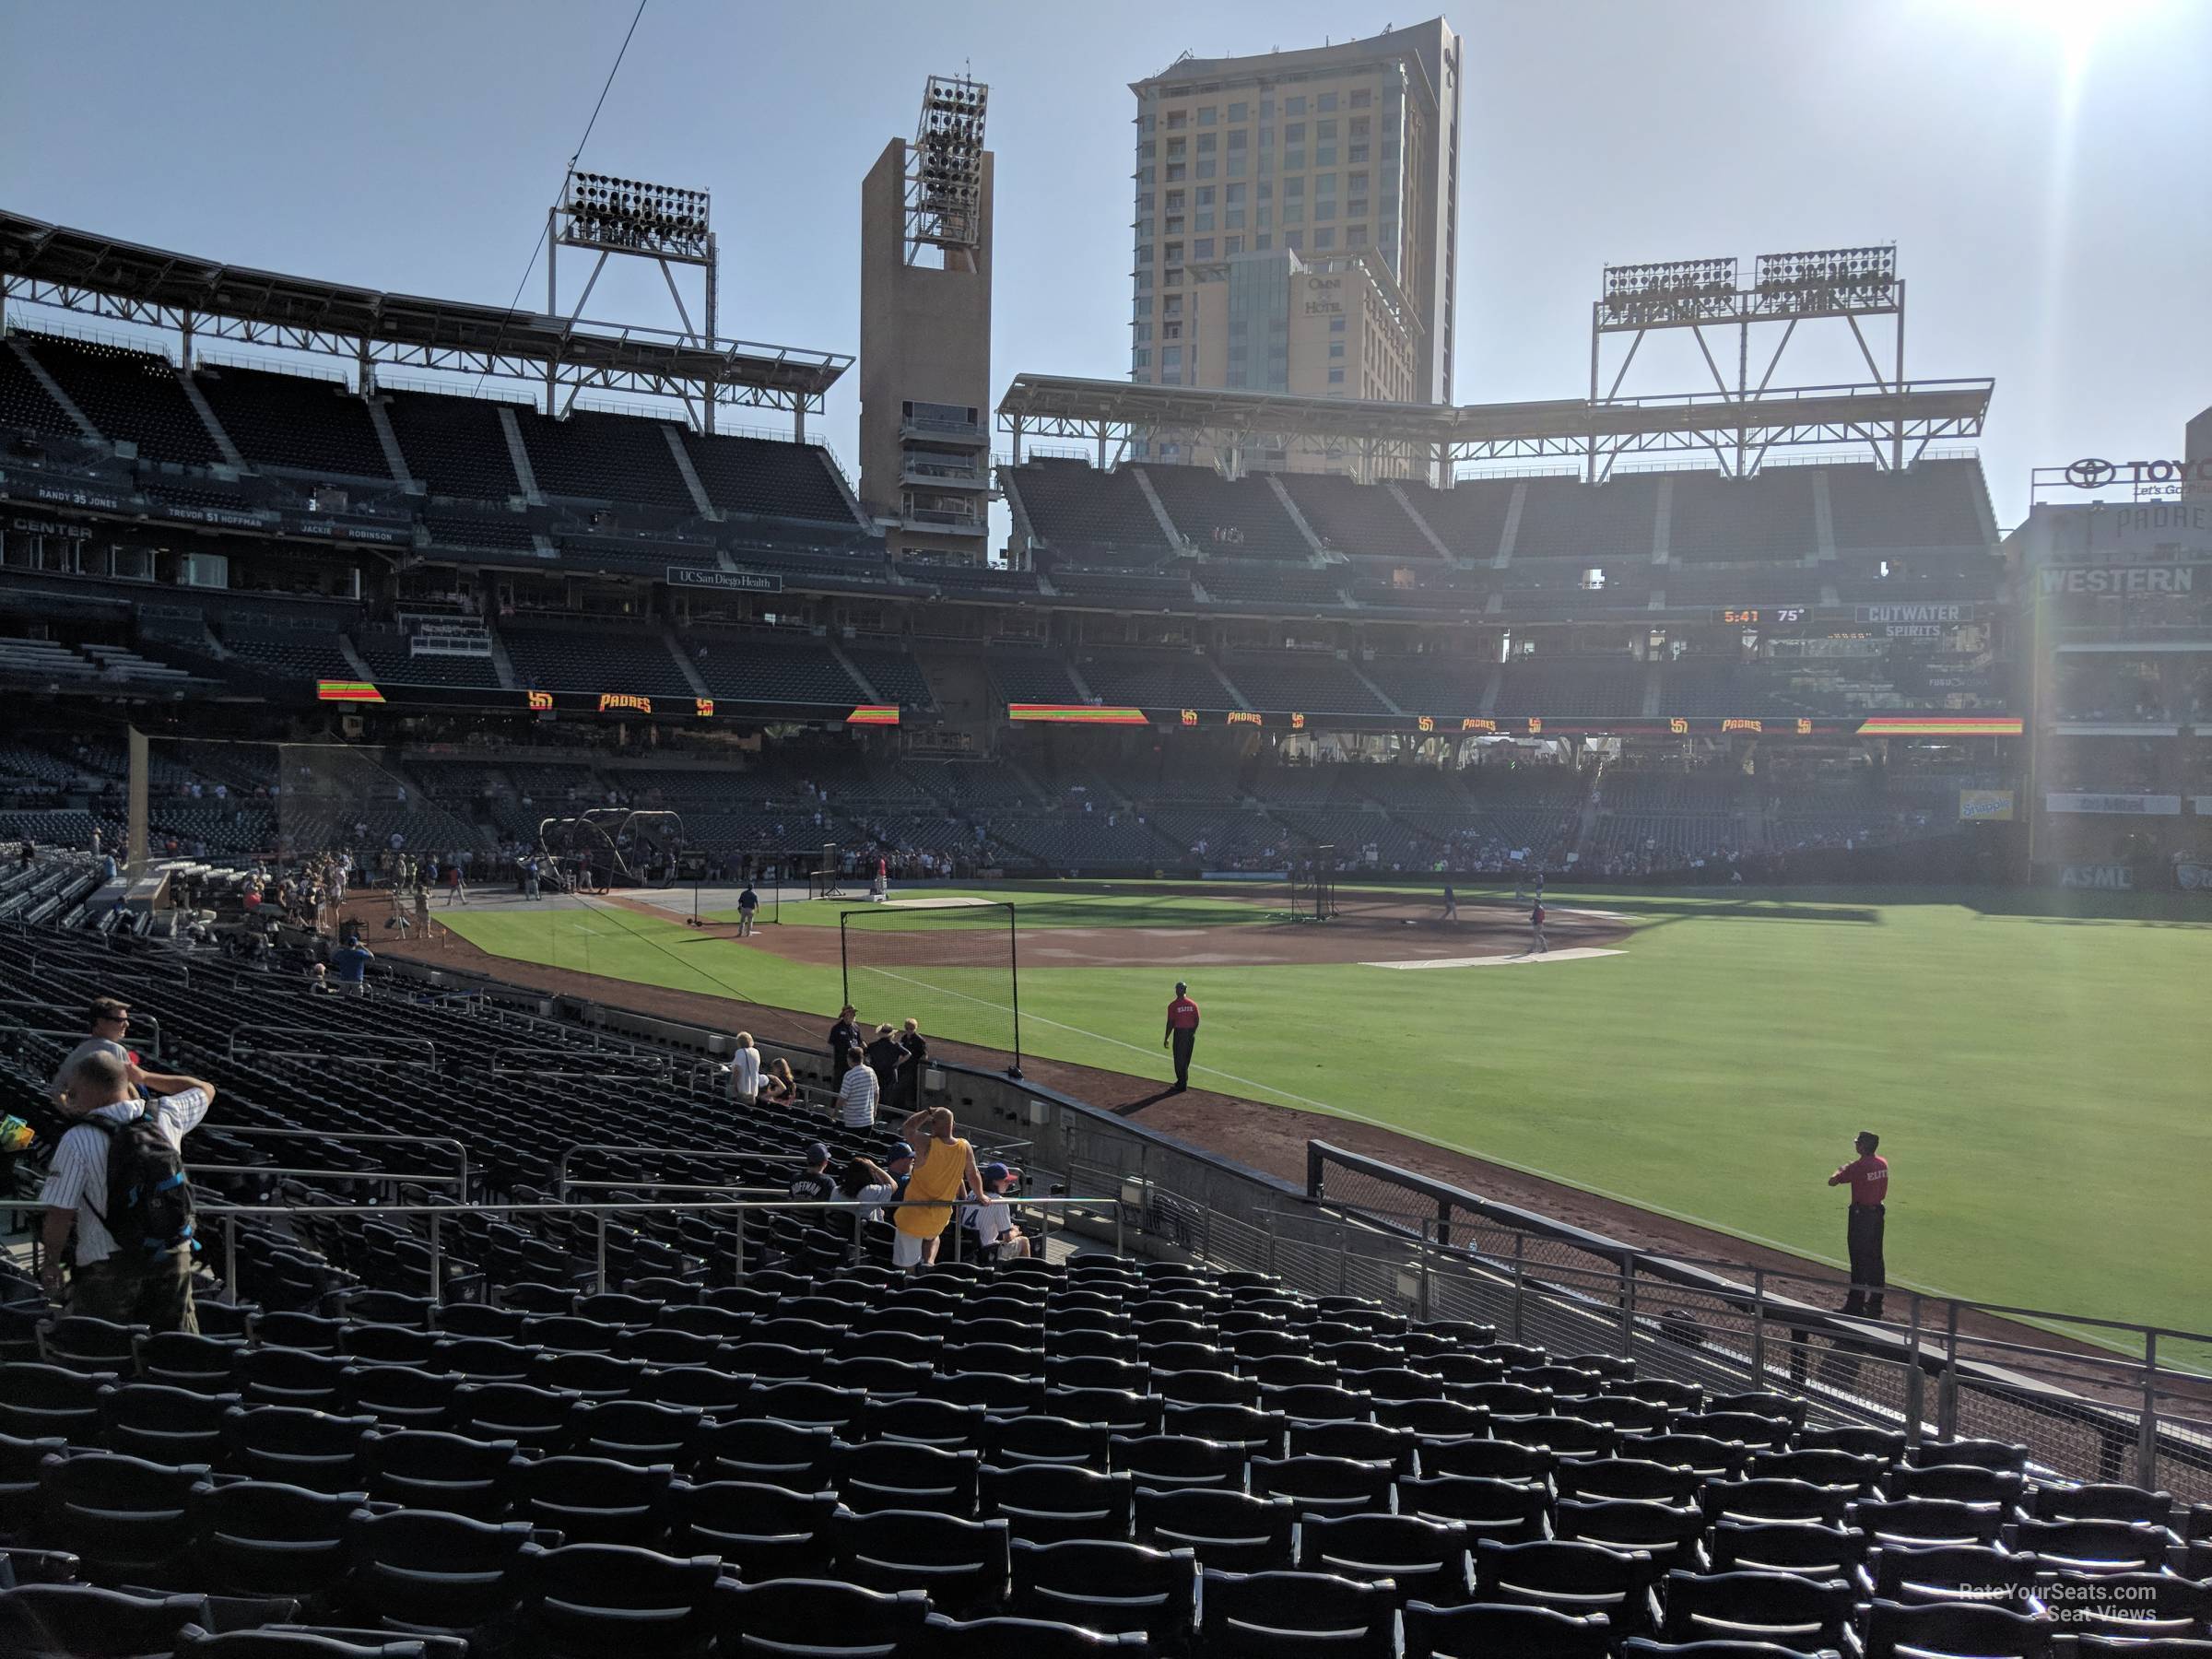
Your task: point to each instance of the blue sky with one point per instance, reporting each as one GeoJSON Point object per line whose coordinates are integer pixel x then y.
{"type": "Point", "coordinates": [2039, 164]}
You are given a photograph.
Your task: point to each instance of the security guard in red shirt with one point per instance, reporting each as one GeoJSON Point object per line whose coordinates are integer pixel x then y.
{"type": "Point", "coordinates": [1868, 1179]}
{"type": "Point", "coordinates": [1182, 1034]}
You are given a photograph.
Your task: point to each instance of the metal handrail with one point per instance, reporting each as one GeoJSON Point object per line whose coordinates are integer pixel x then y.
{"type": "Point", "coordinates": [327, 1035]}
{"type": "Point", "coordinates": [1794, 1316]}
{"type": "Point", "coordinates": [561, 1183]}
{"type": "Point", "coordinates": [228, 1215]}
{"type": "Point", "coordinates": [72, 1037]}
{"type": "Point", "coordinates": [669, 1186]}
{"type": "Point", "coordinates": [561, 1170]}
{"type": "Point", "coordinates": [1922, 1348]}
{"type": "Point", "coordinates": [419, 1179]}
{"type": "Point", "coordinates": [139, 1021]}
{"type": "Point", "coordinates": [460, 1146]}
{"type": "Point", "coordinates": [1478, 1211]}
{"type": "Point", "coordinates": [1635, 1255]}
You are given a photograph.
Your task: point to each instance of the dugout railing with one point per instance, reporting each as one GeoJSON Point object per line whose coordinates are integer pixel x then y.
{"type": "Point", "coordinates": [2086, 1415]}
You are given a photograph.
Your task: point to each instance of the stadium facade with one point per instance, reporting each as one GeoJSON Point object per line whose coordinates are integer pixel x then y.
{"type": "Point", "coordinates": [1623, 673]}
{"type": "Point", "coordinates": [2114, 569]}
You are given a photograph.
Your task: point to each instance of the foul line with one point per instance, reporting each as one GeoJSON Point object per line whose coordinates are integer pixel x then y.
{"type": "Point", "coordinates": [1572, 953]}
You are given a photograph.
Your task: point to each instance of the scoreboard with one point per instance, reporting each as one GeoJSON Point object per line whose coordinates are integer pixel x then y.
{"type": "Point", "coordinates": [1908, 613]}
{"type": "Point", "coordinates": [1769, 616]}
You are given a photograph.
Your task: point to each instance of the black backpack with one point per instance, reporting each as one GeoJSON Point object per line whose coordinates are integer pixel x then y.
{"type": "Point", "coordinates": [149, 1202]}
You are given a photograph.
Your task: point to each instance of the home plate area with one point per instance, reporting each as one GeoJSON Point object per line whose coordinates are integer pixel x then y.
{"type": "Point", "coordinates": [1567, 953]}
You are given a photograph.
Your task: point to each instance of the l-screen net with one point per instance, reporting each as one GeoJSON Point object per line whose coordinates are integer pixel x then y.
{"type": "Point", "coordinates": [948, 964]}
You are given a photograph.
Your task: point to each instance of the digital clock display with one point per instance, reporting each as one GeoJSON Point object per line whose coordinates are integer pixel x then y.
{"type": "Point", "coordinates": [1767, 613]}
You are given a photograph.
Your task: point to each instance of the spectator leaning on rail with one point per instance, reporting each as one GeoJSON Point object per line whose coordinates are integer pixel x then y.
{"type": "Point", "coordinates": [944, 1170]}
{"type": "Point", "coordinates": [133, 1246]}
{"type": "Point", "coordinates": [858, 1094]}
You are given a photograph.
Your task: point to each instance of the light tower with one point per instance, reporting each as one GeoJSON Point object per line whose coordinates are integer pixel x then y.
{"type": "Point", "coordinates": [665, 223]}
{"type": "Point", "coordinates": [1853, 286]}
{"type": "Point", "coordinates": [925, 331]}
{"type": "Point", "coordinates": [944, 172]}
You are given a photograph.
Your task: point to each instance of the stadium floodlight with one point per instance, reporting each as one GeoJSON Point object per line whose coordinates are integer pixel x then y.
{"type": "Point", "coordinates": [1672, 286]}
{"type": "Point", "coordinates": [1849, 274]}
{"type": "Point", "coordinates": [1671, 276]}
{"type": "Point", "coordinates": [945, 167]}
{"type": "Point", "coordinates": [631, 216]}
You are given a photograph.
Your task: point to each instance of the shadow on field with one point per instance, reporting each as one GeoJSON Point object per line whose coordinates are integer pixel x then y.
{"type": "Point", "coordinates": [1653, 910]}
{"type": "Point", "coordinates": [1863, 904]}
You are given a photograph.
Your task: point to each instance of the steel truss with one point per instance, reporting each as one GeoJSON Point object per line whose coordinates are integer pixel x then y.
{"type": "Point", "coordinates": [75, 271]}
{"type": "Point", "coordinates": [584, 220]}
{"type": "Point", "coordinates": [1846, 285]}
{"type": "Point", "coordinates": [1737, 430]}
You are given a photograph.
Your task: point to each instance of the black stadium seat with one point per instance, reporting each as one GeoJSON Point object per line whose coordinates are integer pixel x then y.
{"type": "Point", "coordinates": [1107, 1585]}
{"type": "Point", "coordinates": [1449, 1632]}
{"type": "Point", "coordinates": [1297, 1614]}
{"type": "Point", "coordinates": [815, 1618]}
{"type": "Point", "coordinates": [421, 1570]}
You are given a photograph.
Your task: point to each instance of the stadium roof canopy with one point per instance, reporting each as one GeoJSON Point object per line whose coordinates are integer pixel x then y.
{"type": "Point", "coordinates": [1739, 429]}
{"type": "Point", "coordinates": [75, 270]}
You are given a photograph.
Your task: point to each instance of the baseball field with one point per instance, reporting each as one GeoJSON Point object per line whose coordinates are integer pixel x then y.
{"type": "Point", "coordinates": [2038, 1064]}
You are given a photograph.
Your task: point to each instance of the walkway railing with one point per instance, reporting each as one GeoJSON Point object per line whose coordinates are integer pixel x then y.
{"type": "Point", "coordinates": [435, 1217]}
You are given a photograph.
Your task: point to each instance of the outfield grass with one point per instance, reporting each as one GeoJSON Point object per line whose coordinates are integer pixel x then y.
{"type": "Point", "coordinates": [2038, 1072]}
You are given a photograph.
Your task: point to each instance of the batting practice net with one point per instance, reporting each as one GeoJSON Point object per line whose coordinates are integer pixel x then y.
{"type": "Point", "coordinates": [283, 803]}
{"type": "Point", "coordinates": [948, 964]}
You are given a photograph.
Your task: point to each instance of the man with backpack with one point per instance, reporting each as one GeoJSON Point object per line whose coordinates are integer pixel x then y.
{"type": "Point", "coordinates": [118, 1180]}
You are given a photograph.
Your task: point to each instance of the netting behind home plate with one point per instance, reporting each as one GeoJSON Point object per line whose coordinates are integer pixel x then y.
{"type": "Point", "coordinates": [947, 963]}
{"type": "Point", "coordinates": [283, 803]}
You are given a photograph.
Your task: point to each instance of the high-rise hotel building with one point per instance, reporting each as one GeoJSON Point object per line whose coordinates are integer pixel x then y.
{"type": "Point", "coordinates": [1296, 220]}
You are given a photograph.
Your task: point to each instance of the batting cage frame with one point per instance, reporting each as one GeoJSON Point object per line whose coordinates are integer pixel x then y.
{"type": "Point", "coordinates": [967, 909]}
{"type": "Point", "coordinates": [1313, 884]}
{"type": "Point", "coordinates": [608, 837]}
{"type": "Point", "coordinates": [767, 872]}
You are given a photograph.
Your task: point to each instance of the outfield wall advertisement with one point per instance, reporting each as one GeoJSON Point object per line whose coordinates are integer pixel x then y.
{"type": "Point", "coordinates": [1985, 806]}
{"type": "Point", "coordinates": [2098, 877]}
{"type": "Point", "coordinates": [2131, 805]}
